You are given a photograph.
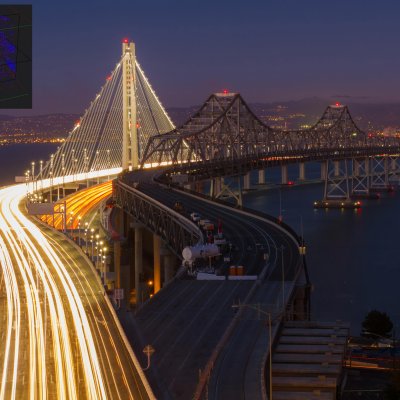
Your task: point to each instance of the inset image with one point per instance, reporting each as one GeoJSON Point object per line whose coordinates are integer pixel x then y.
{"type": "Point", "coordinates": [15, 56]}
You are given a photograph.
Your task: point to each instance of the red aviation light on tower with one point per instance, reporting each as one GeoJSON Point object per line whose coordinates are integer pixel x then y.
{"type": "Point", "coordinates": [225, 91]}
{"type": "Point", "coordinates": [124, 40]}
{"type": "Point", "coordinates": [108, 78]}
{"type": "Point", "coordinates": [337, 104]}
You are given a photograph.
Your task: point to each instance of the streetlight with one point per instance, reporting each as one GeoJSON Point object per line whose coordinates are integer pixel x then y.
{"type": "Point", "coordinates": [33, 176]}
{"type": "Point", "coordinates": [41, 175]}
{"type": "Point", "coordinates": [104, 263]}
{"type": "Point", "coordinates": [92, 241]}
{"type": "Point", "coordinates": [98, 264]}
{"type": "Point", "coordinates": [79, 230]}
{"type": "Point", "coordinates": [71, 220]}
{"type": "Point", "coordinates": [86, 241]}
{"type": "Point", "coordinates": [257, 307]}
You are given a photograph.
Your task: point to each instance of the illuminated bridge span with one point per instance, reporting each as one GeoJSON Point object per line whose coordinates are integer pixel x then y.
{"type": "Point", "coordinates": [225, 138]}
{"type": "Point", "coordinates": [126, 128]}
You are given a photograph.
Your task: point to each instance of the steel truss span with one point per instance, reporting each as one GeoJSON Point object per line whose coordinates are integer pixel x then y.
{"type": "Point", "coordinates": [177, 231]}
{"type": "Point", "coordinates": [226, 131]}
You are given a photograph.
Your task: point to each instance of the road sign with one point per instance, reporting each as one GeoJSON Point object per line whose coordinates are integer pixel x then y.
{"type": "Point", "coordinates": [149, 350]}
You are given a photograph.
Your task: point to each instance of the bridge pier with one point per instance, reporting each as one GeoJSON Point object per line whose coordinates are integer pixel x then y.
{"type": "Point", "coordinates": [380, 174]}
{"type": "Point", "coordinates": [138, 262]}
{"type": "Point", "coordinates": [393, 163]}
{"type": "Point", "coordinates": [216, 187]}
{"type": "Point", "coordinates": [199, 187]}
{"type": "Point", "coordinates": [302, 171]}
{"type": "Point", "coordinates": [246, 181]}
{"type": "Point", "coordinates": [337, 189]}
{"type": "Point", "coordinates": [284, 174]}
{"type": "Point", "coordinates": [168, 267]}
{"type": "Point", "coordinates": [336, 168]}
{"type": "Point", "coordinates": [356, 167]}
{"type": "Point", "coordinates": [324, 170]}
{"type": "Point", "coordinates": [261, 177]}
{"type": "Point", "coordinates": [360, 179]}
{"type": "Point", "coordinates": [157, 262]}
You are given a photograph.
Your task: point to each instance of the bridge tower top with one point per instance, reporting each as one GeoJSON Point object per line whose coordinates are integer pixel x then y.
{"type": "Point", "coordinates": [130, 147]}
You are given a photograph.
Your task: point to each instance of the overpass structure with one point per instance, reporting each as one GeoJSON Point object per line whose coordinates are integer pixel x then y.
{"type": "Point", "coordinates": [126, 129]}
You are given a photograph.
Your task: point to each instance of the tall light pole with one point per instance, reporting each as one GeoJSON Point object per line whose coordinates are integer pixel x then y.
{"type": "Point", "coordinates": [91, 237]}
{"type": "Point", "coordinates": [72, 163]}
{"type": "Point", "coordinates": [63, 172]}
{"type": "Point", "coordinates": [86, 240]}
{"type": "Point", "coordinates": [33, 176]}
{"type": "Point", "coordinates": [51, 178]}
{"type": "Point", "coordinates": [79, 230]}
{"type": "Point", "coordinates": [104, 266]}
{"type": "Point", "coordinates": [257, 307]}
{"type": "Point", "coordinates": [41, 176]}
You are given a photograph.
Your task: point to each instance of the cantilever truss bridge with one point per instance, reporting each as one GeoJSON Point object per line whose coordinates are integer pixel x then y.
{"type": "Point", "coordinates": [126, 122]}
{"type": "Point", "coordinates": [225, 135]}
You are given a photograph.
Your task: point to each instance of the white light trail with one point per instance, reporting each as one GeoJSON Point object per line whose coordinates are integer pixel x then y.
{"type": "Point", "coordinates": [49, 348]}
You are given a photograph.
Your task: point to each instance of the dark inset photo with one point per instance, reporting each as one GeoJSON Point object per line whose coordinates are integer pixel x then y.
{"type": "Point", "coordinates": [15, 56]}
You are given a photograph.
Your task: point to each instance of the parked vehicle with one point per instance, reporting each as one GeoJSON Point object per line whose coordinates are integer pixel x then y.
{"type": "Point", "coordinates": [204, 221]}
{"type": "Point", "coordinates": [195, 216]}
{"type": "Point", "coordinates": [178, 206]}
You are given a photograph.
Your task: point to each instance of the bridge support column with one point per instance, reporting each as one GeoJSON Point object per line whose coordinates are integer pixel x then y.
{"type": "Point", "coordinates": [356, 167]}
{"type": "Point", "coordinates": [117, 264]}
{"type": "Point", "coordinates": [261, 177]}
{"type": "Point", "coordinates": [138, 262]}
{"type": "Point", "coordinates": [324, 170]}
{"type": "Point", "coordinates": [393, 163]}
{"type": "Point", "coordinates": [336, 168]}
{"type": "Point", "coordinates": [284, 174]}
{"type": "Point", "coordinates": [168, 267]}
{"type": "Point", "coordinates": [215, 187]}
{"type": "Point", "coordinates": [199, 187]}
{"type": "Point", "coordinates": [302, 171]}
{"type": "Point", "coordinates": [157, 262]}
{"type": "Point", "coordinates": [246, 181]}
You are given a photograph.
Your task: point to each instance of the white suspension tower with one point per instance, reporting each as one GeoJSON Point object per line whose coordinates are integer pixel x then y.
{"type": "Point", "coordinates": [130, 148]}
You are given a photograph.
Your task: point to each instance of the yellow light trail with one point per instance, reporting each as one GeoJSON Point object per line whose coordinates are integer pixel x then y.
{"type": "Point", "coordinates": [79, 204]}
{"type": "Point", "coordinates": [61, 338]}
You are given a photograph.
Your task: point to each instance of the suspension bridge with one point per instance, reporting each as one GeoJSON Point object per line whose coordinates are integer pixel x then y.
{"type": "Point", "coordinates": [126, 132]}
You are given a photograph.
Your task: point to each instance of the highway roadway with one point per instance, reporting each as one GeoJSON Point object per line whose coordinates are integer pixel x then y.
{"type": "Point", "coordinates": [60, 336]}
{"type": "Point", "coordinates": [185, 321]}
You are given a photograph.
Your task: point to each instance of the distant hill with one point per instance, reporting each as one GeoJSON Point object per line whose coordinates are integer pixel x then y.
{"type": "Point", "coordinates": [287, 114]}
{"type": "Point", "coordinates": [50, 125]}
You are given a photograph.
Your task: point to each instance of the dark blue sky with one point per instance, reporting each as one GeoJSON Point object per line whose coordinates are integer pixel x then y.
{"type": "Point", "coordinates": [268, 49]}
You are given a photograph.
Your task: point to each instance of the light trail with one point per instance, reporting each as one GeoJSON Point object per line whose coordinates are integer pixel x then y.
{"type": "Point", "coordinates": [79, 204]}
{"type": "Point", "coordinates": [61, 339]}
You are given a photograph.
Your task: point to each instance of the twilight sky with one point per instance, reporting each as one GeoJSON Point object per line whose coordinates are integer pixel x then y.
{"type": "Point", "coordinates": [266, 49]}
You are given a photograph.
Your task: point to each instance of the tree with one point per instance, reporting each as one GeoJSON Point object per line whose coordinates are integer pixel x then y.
{"type": "Point", "coordinates": [377, 324]}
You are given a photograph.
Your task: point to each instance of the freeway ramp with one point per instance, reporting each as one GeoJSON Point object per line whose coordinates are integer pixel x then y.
{"type": "Point", "coordinates": [307, 360]}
